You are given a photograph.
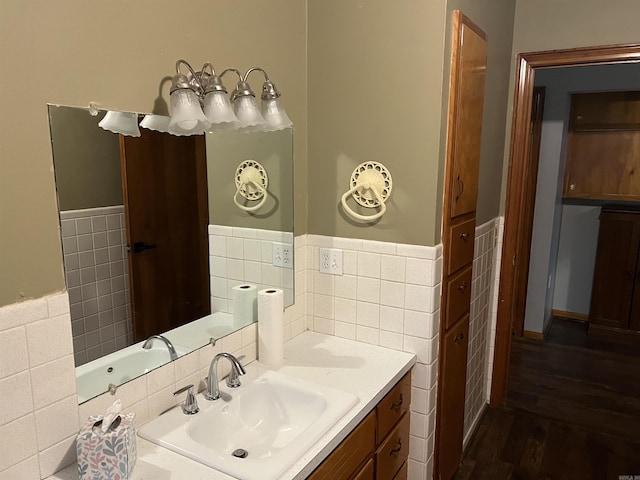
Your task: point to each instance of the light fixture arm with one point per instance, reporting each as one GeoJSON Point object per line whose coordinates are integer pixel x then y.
{"type": "Point", "coordinates": [269, 90]}
{"type": "Point", "coordinates": [231, 69]}
{"type": "Point", "coordinates": [254, 69]}
{"type": "Point", "coordinates": [195, 80]}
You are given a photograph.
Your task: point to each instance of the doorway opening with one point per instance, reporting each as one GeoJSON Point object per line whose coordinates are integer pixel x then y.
{"type": "Point", "coordinates": [517, 188]}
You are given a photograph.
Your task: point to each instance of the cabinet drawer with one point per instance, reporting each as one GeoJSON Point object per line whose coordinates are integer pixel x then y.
{"type": "Point", "coordinates": [458, 297]}
{"type": "Point", "coordinates": [351, 453]}
{"type": "Point", "coordinates": [392, 407]}
{"type": "Point", "coordinates": [394, 450]}
{"type": "Point", "coordinates": [460, 244]}
{"type": "Point", "coordinates": [367, 472]}
{"type": "Point", "coordinates": [403, 473]}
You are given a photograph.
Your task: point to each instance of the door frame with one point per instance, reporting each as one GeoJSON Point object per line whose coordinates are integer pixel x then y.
{"type": "Point", "coordinates": [521, 280]}
{"type": "Point", "coordinates": [514, 208]}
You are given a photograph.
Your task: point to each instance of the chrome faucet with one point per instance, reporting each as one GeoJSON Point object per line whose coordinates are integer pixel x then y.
{"type": "Point", "coordinates": [149, 341]}
{"type": "Point", "coordinates": [213, 391]}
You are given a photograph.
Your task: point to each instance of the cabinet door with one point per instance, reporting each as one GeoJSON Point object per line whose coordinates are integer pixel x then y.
{"type": "Point", "coordinates": [465, 122]}
{"type": "Point", "coordinates": [615, 269]}
{"type": "Point", "coordinates": [603, 165]}
{"type": "Point", "coordinates": [367, 472]}
{"type": "Point", "coordinates": [605, 110]}
{"type": "Point", "coordinates": [454, 368]}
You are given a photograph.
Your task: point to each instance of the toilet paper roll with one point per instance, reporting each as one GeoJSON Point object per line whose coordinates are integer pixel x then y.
{"type": "Point", "coordinates": [271, 326]}
{"type": "Point", "coordinates": [245, 303]}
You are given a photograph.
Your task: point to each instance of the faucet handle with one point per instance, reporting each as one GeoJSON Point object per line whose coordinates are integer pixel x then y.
{"type": "Point", "coordinates": [233, 380]}
{"type": "Point", "coordinates": [190, 405]}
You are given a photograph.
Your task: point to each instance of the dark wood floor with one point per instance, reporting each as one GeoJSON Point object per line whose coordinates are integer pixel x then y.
{"type": "Point", "coordinates": [572, 412]}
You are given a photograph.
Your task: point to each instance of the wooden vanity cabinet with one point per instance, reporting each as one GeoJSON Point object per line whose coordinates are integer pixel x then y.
{"type": "Point", "coordinates": [603, 146]}
{"type": "Point", "coordinates": [378, 448]}
{"type": "Point", "coordinates": [615, 296]}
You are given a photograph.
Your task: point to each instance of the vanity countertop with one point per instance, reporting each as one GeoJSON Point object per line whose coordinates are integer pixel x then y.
{"type": "Point", "coordinates": [367, 371]}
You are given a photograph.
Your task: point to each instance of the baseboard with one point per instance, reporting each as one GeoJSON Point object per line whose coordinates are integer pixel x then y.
{"type": "Point", "coordinates": [583, 317]}
{"type": "Point", "coordinates": [533, 335]}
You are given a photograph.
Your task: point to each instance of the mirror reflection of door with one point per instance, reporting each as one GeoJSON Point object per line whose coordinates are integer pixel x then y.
{"type": "Point", "coordinates": [165, 193]}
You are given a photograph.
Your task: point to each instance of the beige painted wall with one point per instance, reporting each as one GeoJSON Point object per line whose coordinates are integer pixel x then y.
{"type": "Point", "coordinates": [382, 94]}
{"type": "Point", "coordinates": [375, 86]}
{"type": "Point", "coordinates": [116, 53]}
{"type": "Point", "coordinates": [553, 24]}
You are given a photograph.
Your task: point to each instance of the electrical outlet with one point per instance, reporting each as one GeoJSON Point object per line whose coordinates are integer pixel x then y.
{"type": "Point", "coordinates": [282, 255]}
{"type": "Point", "coordinates": [331, 261]}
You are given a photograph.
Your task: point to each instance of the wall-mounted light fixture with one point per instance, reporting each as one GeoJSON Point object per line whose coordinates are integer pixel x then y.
{"type": "Point", "coordinates": [199, 102]}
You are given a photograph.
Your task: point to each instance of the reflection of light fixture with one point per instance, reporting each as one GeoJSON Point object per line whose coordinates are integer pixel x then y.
{"type": "Point", "coordinates": [159, 123]}
{"type": "Point", "coordinates": [125, 123]}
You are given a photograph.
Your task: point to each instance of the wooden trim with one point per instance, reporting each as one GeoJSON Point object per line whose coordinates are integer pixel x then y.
{"type": "Point", "coordinates": [529, 187]}
{"type": "Point", "coordinates": [583, 317]}
{"type": "Point", "coordinates": [527, 62]}
{"type": "Point", "coordinates": [533, 335]}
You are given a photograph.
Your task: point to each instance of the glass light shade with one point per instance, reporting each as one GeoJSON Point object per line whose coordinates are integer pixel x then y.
{"type": "Point", "coordinates": [248, 113]}
{"type": "Point", "coordinates": [217, 108]}
{"type": "Point", "coordinates": [187, 117]}
{"type": "Point", "coordinates": [159, 123]}
{"type": "Point", "coordinates": [125, 123]}
{"type": "Point", "coordinates": [274, 114]}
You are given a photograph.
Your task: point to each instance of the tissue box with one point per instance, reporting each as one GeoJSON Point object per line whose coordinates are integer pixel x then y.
{"type": "Point", "coordinates": [110, 455]}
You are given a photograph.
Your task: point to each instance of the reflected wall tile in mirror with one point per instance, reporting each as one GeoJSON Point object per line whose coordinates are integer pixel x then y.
{"type": "Point", "coordinates": [249, 259]}
{"type": "Point", "coordinates": [93, 283]}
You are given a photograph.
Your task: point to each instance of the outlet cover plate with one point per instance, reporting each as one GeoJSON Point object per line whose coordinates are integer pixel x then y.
{"type": "Point", "coordinates": [282, 255]}
{"type": "Point", "coordinates": [331, 261]}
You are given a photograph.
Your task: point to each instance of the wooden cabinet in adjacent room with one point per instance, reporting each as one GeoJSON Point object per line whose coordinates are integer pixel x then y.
{"type": "Point", "coordinates": [603, 147]}
{"type": "Point", "coordinates": [615, 296]}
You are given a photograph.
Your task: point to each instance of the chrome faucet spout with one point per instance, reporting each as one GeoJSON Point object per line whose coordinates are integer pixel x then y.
{"type": "Point", "coordinates": [213, 391]}
{"type": "Point", "coordinates": [149, 341]}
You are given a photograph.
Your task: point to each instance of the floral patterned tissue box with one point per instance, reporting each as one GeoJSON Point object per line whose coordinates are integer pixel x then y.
{"type": "Point", "coordinates": [110, 455]}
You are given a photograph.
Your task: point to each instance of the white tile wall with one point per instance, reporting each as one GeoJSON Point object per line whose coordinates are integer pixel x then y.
{"type": "Point", "coordinates": [388, 295]}
{"type": "Point", "coordinates": [96, 271]}
{"type": "Point", "coordinates": [245, 255]}
{"type": "Point", "coordinates": [482, 288]}
{"type": "Point", "coordinates": [38, 405]}
{"type": "Point", "coordinates": [497, 263]}
{"type": "Point", "coordinates": [37, 438]}
{"type": "Point", "coordinates": [39, 415]}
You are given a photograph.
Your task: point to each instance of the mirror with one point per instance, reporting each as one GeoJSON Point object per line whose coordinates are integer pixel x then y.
{"type": "Point", "coordinates": [161, 235]}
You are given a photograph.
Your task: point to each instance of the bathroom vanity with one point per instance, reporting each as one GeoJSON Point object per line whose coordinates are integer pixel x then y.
{"type": "Point", "coordinates": [374, 434]}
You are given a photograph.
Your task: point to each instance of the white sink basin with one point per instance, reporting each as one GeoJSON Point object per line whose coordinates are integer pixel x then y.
{"type": "Point", "coordinates": [273, 417]}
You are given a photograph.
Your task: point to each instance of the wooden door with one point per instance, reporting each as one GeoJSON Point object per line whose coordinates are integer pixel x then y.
{"type": "Point", "coordinates": [529, 199]}
{"type": "Point", "coordinates": [615, 270]}
{"type": "Point", "coordinates": [452, 383]}
{"type": "Point", "coordinates": [469, 62]}
{"type": "Point", "coordinates": [165, 191]}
